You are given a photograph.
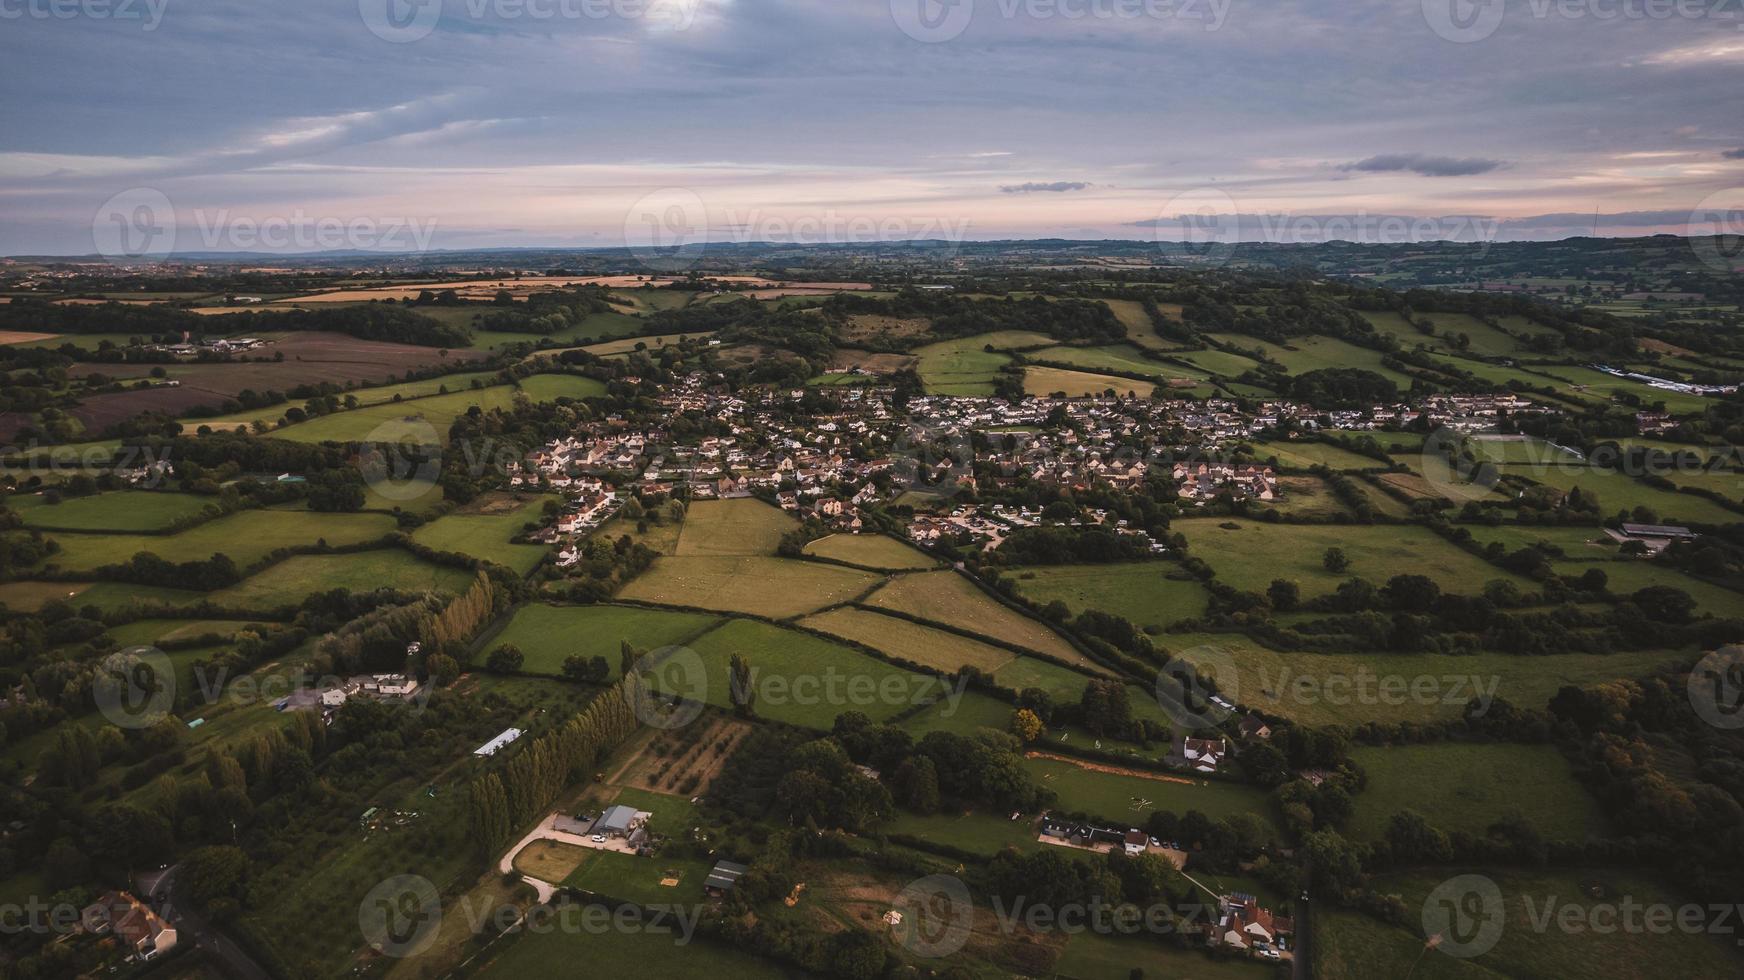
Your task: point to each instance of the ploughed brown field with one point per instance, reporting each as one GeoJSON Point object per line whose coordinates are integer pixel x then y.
{"type": "Point", "coordinates": [310, 358]}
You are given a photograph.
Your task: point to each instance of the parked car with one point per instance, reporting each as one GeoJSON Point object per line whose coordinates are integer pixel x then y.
{"type": "Point", "coordinates": [599, 838]}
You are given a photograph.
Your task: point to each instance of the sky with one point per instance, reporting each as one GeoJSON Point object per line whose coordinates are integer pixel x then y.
{"type": "Point", "coordinates": [160, 126]}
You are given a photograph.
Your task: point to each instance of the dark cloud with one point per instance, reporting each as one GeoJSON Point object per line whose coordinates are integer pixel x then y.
{"type": "Point", "coordinates": [1056, 187]}
{"type": "Point", "coordinates": [1737, 154]}
{"type": "Point", "coordinates": [1427, 166]}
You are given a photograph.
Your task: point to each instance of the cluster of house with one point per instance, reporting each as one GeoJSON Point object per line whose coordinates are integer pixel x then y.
{"type": "Point", "coordinates": [328, 699]}
{"type": "Point", "coordinates": [218, 345]}
{"type": "Point", "coordinates": [1243, 923]}
{"type": "Point", "coordinates": [989, 525]}
{"type": "Point", "coordinates": [1204, 481]}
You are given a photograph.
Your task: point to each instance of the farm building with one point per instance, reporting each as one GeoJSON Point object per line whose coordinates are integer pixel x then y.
{"type": "Point", "coordinates": [724, 878]}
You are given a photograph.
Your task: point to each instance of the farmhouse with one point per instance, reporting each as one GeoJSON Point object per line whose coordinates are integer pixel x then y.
{"type": "Point", "coordinates": [1245, 924]}
{"type": "Point", "coordinates": [621, 822]}
{"type": "Point", "coordinates": [1655, 536]}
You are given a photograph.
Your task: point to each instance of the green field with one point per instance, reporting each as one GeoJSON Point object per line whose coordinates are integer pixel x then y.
{"type": "Point", "coordinates": [1305, 455]}
{"type": "Point", "coordinates": [1026, 672]}
{"type": "Point", "coordinates": [1044, 382]}
{"type": "Point", "coordinates": [803, 680]}
{"type": "Point", "coordinates": [949, 598]}
{"type": "Point", "coordinates": [1350, 944]}
{"type": "Point", "coordinates": [1251, 557]}
{"type": "Point", "coordinates": [594, 327]}
{"type": "Point", "coordinates": [778, 588]}
{"type": "Point", "coordinates": [983, 833]}
{"type": "Point", "coordinates": [143, 632]}
{"type": "Point", "coordinates": [406, 390]}
{"type": "Point", "coordinates": [420, 420]}
{"type": "Point", "coordinates": [547, 635]}
{"type": "Point", "coordinates": [1116, 357]}
{"type": "Point", "coordinates": [962, 366]}
{"type": "Point", "coordinates": [1624, 577]}
{"type": "Point", "coordinates": [1139, 328]}
{"type": "Point", "coordinates": [623, 953]}
{"type": "Point", "coordinates": [732, 527]}
{"type": "Point", "coordinates": [962, 716]}
{"type": "Point", "coordinates": [120, 510]}
{"type": "Point", "coordinates": [551, 387]}
{"type": "Point", "coordinates": [246, 537]}
{"type": "Point", "coordinates": [487, 535]}
{"type": "Point", "coordinates": [1485, 339]}
{"type": "Point", "coordinates": [871, 551]}
{"type": "Point", "coordinates": [1617, 491]}
{"type": "Point", "coordinates": [909, 641]}
{"type": "Point", "coordinates": [1598, 384]}
{"type": "Point", "coordinates": [29, 596]}
{"type": "Point", "coordinates": [1221, 363]}
{"type": "Point", "coordinates": [296, 578]}
{"type": "Point", "coordinates": [1130, 799]}
{"type": "Point", "coordinates": [1329, 688]}
{"type": "Point", "coordinates": [1467, 787]}
{"type": "Point", "coordinates": [1152, 594]}
{"type": "Point", "coordinates": [1305, 354]}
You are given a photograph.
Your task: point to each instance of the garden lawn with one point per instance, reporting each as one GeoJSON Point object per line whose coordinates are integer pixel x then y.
{"type": "Point", "coordinates": [246, 537]}
{"type": "Point", "coordinates": [120, 510]}
{"type": "Point", "coordinates": [803, 680]}
{"type": "Point", "coordinates": [1143, 593]}
{"type": "Point", "coordinates": [949, 598]}
{"type": "Point", "coordinates": [295, 579]}
{"type": "Point", "coordinates": [547, 635]}
{"type": "Point", "coordinates": [1466, 787]}
{"type": "Point", "coordinates": [1252, 556]}
{"type": "Point", "coordinates": [871, 551]}
{"type": "Point", "coordinates": [743, 526]}
{"type": "Point", "coordinates": [908, 641]}
{"type": "Point", "coordinates": [777, 588]}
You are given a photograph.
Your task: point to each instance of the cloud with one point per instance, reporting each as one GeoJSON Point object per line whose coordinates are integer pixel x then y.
{"type": "Point", "coordinates": [1427, 166]}
{"type": "Point", "coordinates": [1056, 187]}
{"type": "Point", "coordinates": [1737, 154]}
